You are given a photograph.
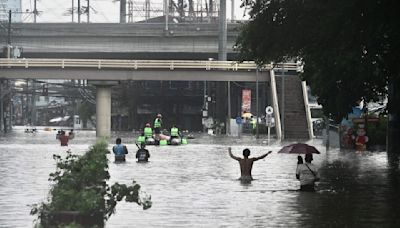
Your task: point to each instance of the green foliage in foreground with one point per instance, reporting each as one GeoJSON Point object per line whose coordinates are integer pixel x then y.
{"type": "Point", "coordinates": [80, 185]}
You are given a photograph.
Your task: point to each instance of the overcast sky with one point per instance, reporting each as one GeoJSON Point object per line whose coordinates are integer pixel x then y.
{"type": "Point", "coordinates": [107, 11]}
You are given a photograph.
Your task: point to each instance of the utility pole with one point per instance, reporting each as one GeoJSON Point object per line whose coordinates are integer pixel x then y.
{"type": "Point", "coordinates": [222, 54]}
{"type": "Point", "coordinates": [232, 10]}
{"type": "Point", "coordinates": [8, 46]}
{"type": "Point", "coordinates": [35, 12]}
{"type": "Point", "coordinates": [26, 108]}
{"type": "Point", "coordinates": [79, 11]}
{"type": "Point", "coordinates": [130, 11]}
{"type": "Point", "coordinates": [33, 113]}
{"type": "Point", "coordinates": [283, 102]}
{"type": "Point", "coordinates": [257, 109]}
{"type": "Point", "coordinates": [9, 28]}
{"type": "Point", "coordinates": [222, 31]}
{"type": "Point", "coordinates": [166, 13]}
{"type": "Point", "coordinates": [122, 11]}
{"type": "Point", "coordinates": [1, 107]}
{"type": "Point", "coordinates": [147, 10]}
{"type": "Point", "coordinates": [72, 11]}
{"type": "Point", "coordinates": [88, 11]}
{"type": "Point", "coordinates": [211, 9]}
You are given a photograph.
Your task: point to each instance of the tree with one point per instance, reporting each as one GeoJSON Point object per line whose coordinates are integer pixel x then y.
{"type": "Point", "coordinates": [86, 110]}
{"type": "Point", "coordinates": [349, 49]}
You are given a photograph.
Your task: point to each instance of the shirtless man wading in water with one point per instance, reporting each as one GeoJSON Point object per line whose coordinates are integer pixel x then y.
{"type": "Point", "coordinates": [246, 163]}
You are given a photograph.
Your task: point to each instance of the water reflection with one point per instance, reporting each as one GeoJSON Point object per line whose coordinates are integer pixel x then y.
{"type": "Point", "coordinates": [196, 185]}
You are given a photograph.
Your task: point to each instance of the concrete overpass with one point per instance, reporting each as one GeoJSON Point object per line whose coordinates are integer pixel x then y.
{"type": "Point", "coordinates": [182, 41]}
{"type": "Point", "coordinates": [129, 45]}
{"type": "Point", "coordinates": [106, 73]}
{"type": "Point", "coordinates": [117, 70]}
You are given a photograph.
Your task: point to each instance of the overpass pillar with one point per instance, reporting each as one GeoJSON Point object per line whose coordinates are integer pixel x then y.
{"type": "Point", "coordinates": [103, 107]}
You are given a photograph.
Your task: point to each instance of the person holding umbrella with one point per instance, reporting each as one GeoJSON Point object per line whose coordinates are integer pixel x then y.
{"type": "Point", "coordinates": [307, 174]}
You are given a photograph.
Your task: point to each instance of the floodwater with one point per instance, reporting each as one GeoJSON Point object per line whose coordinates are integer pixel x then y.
{"type": "Point", "coordinates": [196, 185]}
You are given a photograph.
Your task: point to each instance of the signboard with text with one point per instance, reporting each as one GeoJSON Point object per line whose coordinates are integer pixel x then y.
{"type": "Point", "coordinates": [246, 100]}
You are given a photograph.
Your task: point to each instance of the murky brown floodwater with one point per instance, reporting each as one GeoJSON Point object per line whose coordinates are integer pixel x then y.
{"type": "Point", "coordinates": [196, 185]}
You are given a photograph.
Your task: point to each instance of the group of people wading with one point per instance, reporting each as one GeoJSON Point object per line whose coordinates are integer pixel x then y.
{"type": "Point", "coordinates": [120, 150]}
{"type": "Point", "coordinates": [142, 154]}
{"type": "Point", "coordinates": [153, 136]}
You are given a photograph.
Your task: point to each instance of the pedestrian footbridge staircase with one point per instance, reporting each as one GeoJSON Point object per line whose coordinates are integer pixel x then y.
{"type": "Point", "coordinates": [293, 107]}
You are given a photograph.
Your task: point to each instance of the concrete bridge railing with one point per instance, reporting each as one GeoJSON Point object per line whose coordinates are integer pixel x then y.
{"type": "Point", "coordinates": [141, 64]}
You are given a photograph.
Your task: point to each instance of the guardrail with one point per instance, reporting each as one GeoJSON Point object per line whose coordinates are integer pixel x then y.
{"type": "Point", "coordinates": [142, 64]}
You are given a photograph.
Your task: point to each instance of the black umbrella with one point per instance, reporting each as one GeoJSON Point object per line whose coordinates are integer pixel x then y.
{"type": "Point", "coordinates": [299, 148]}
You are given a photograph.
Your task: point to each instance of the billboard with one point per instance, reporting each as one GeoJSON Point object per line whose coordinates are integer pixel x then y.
{"type": "Point", "coordinates": [246, 100]}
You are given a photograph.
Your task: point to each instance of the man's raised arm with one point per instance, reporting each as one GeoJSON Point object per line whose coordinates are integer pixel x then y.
{"type": "Point", "coordinates": [232, 156]}
{"type": "Point", "coordinates": [262, 156]}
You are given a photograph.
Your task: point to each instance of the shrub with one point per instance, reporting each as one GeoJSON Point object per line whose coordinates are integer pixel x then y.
{"type": "Point", "coordinates": [80, 193]}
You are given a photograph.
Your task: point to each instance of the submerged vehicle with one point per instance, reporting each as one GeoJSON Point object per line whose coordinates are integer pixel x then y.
{"type": "Point", "coordinates": [150, 141]}
{"type": "Point", "coordinates": [175, 141]}
{"type": "Point", "coordinates": [165, 140]}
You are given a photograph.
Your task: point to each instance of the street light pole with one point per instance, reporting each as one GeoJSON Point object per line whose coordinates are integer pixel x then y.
{"type": "Point", "coordinates": [79, 11]}
{"type": "Point", "coordinates": [88, 11]}
{"type": "Point", "coordinates": [9, 28]}
{"type": "Point", "coordinates": [33, 110]}
{"type": "Point", "coordinates": [232, 10]}
{"type": "Point", "coordinates": [283, 102]}
{"type": "Point", "coordinates": [257, 111]}
{"type": "Point", "coordinates": [228, 130]}
{"type": "Point", "coordinates": [1, 107]}
{"type": "Point", "coordinates": [34, 11]}
{"type": "Point", "coordinates": [166, 13]}
{"type": "Point", "coordinates": [222, 53]}
{"type": "Point", "coordinates": [122, 11]}
{"type": "Point", "coordinates": [8, 46]}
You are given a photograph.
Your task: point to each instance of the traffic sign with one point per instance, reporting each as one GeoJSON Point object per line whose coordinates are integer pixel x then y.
{"type": "Point", "coordinates": [269, 110]}
{"type": "Point", "coordinates": [239, 120]}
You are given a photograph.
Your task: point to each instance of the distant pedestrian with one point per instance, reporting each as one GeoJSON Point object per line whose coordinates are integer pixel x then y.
{"type": "Point", "coordinates": [71, 134]}
{"type": "Point", "coordinates": [142, 154]}
{"type": "Point", "coordinates": [307, 174]}
{"type": "Point", "coordinates": [157, 127]}
{"type": "Point", "coordinates": [58, 135]}
{"type": "Point", "coordinates": [119, 150]}
{"type": "Point", "coordinates": [63, 139]}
